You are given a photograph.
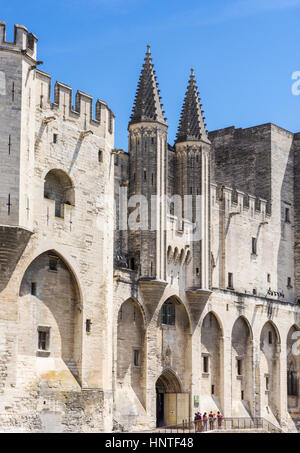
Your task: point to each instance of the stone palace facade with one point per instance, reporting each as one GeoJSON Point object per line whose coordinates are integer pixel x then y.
{"type": "Point", "coordinates": [103, 326]}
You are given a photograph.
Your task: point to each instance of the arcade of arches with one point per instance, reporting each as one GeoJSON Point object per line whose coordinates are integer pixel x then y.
{"type": "Point", "coordinates": [171, 333]}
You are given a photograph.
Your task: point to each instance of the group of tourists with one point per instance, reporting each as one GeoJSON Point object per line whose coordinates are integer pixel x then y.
{"type": "Point", "coordinates": [201, 421]}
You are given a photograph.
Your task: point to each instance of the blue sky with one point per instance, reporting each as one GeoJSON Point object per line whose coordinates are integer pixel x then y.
{"type": "Point", "coordinates": [244, 53]}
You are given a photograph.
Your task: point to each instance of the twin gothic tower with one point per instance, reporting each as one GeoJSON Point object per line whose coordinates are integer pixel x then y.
{"type": "Point", "coordinates": [173, 179]}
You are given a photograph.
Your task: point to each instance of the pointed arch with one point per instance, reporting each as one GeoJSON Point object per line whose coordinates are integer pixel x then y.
{"type": "Point", "coordinates": [168, 382]}
{"type": "Point", "coordinates": [50, 310]}
{"type": "Point", "coordinates": [131, 350]}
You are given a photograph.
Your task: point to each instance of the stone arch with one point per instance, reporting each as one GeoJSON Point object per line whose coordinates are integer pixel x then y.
{"type": "Point", "coordinates": [270, 370]}
{"type": "Point", "coordinates": [174, 338]}
{"type": "Point", "coordinates": [181, 257]}
{"type": "Point", "coordinates": [175, 255]}
{"type": "Point", "coordinates": [168, 390]}
{"type": "Point", "coordinates": [211, 362]}
{"type": "Point", "coordinates": [59, 187]}
{"type": "Point", "coordinates": [242, 367]}
{"type": "Point", "coordinates": [50, 307]}
{"type": "Point", "coordinates": [131, 351]}
{"type": "Point", "coordinates": [293, 371]}
{"type": "Point", "coordinates": [168, 382]}
{"type": "Point", "coordinates": [169, 253]}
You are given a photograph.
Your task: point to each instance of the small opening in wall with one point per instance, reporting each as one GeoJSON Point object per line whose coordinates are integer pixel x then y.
{"type": "Point", "coordinates": [287, 215]}
{"type": "Point", "coordinates": [197, 271]}
{"type": "Point", "coordinates": [227, 307]}
{"type": "Point", "coordinates": [230, 280]}
{"type": "Point", "coordinates": [254, 292]}
{"type": "Point", "coordinates": [132, 264]}
{"type": "Point", "coordinates": [267, 382]}
{"type": "Point", "coordinates": [212, 389]}
{"type": "Point", "coordinates": [88, 325]}
{"type": "Point", "coordinates": [289, 282]}
{"type": "Point", "coordinates": [43, 338]}
{"type": "Point", "coordinates": [54, 138]}
{"type": "Point", "coordinates": [53, 263]}
{"type": "Point", "coordinates": [205, 364]}
{"type": "Point", "coordinates": [145, 175]}
{"type": "Point", "coordinates": [152, 179]}
{"type": "Point", "coordinates": [239, 367]}
{"type": "Point", "coordinates": [270, 337]}
{"type": "Point", "coordinates": [242, 394]}
{"type": "Point", "coordinates": [254, 248]}
{"type": "Point", "coordinates": [136, 357]}
{"type": "Point", "coordinates": [33, 288]}
{"type": "Point", "coordinates": [100, 155]}
{"type": "Point", "coordinates": [269, 278]}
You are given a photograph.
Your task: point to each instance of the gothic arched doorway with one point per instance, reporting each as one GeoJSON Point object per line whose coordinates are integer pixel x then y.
{"type": "Point", "coordinates": [172, 405]}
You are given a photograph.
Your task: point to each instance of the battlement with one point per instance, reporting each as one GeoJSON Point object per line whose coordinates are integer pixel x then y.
{"type": "Point", "coordinates": [83, 109]}
{"type": "Point", "coordinates": [237, 201]}
{"type": "Point", "coordinates": [24, 41]}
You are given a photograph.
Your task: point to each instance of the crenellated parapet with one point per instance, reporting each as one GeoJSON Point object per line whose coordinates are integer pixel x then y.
{"type": "Point", "coordinates": [83, 112]}
{"type": "Point", "coordinates": [24, 42]}
{"type": "Point", "coordinates": [238, 202]}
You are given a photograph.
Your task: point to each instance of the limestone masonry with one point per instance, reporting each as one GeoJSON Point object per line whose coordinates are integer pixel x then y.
{"type": "Point", "coordinates": [107, 327]}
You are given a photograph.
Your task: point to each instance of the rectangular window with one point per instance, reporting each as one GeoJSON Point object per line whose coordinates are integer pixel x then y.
{"type": "Point", "coordinates": [43, 338]}
{"type": "Point", "coordinates": [100, 155]}
{"type": "Point", "coordinates": [53, 264]}
{"type": "Point", "coordinates": [205, 364]}
{"type": "Point", "coordinates": [54, 138]}
{"type": "Point", "coordinates": [269, 278]}
{"type": "Point", "coordinates": [136, 357]}
{"type": "Point", "coordinates": [33, 288]}
{"type": "Point", "coordinates": [168, 314]}
{"type": "Point", "coordinates": [253, 246]}
{"type": "Point", "coordinates": [230, 280]}
{"type": "Point", "coordinates": [289, 282]}
{"type": "Point", "coordinates": [212, 389]}
{"type": "Point", "coordinates": [242, 394]}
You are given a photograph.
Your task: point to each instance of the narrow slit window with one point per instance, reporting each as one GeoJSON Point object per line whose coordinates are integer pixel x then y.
{"type": "Point", "coordinates": [287, 215]}
{"type": "Point", "coordinates": [239, 367]}
{"type": "Point", "coordinates": [205, 364]}
{"type": "Point", "coordinates": [267, 382]}
{"type": "Point", "coordinates": [289, 282]}
{"type": "Point", "coordinates": [33, 288]}
{"type": "Point", "coordinates": [270, 337]}
{"type": "Point", "coordinates": [230, 280]}
{"type": "Point", "coordinates": [54, 138]}
{"type": "Point", "coordinates": [100, 155]}
{"type": "Point", "coordinates": [136, 357]}
{"type": "Point", "coordinates": [254, 246]}
{"type": "Point", "coordinates": [212, 389]}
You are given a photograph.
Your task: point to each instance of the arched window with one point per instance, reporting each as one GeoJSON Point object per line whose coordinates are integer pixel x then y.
{"type": "Point", "coordinates": [58, 187]}
{"type": "Point", "coordinates": [292, 380]}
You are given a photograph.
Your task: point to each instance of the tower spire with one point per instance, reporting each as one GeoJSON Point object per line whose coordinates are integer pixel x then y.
{"type": "Point", "coordinates": [147, 105]}
{"type": "Point", "coordinates": [191, 125]}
